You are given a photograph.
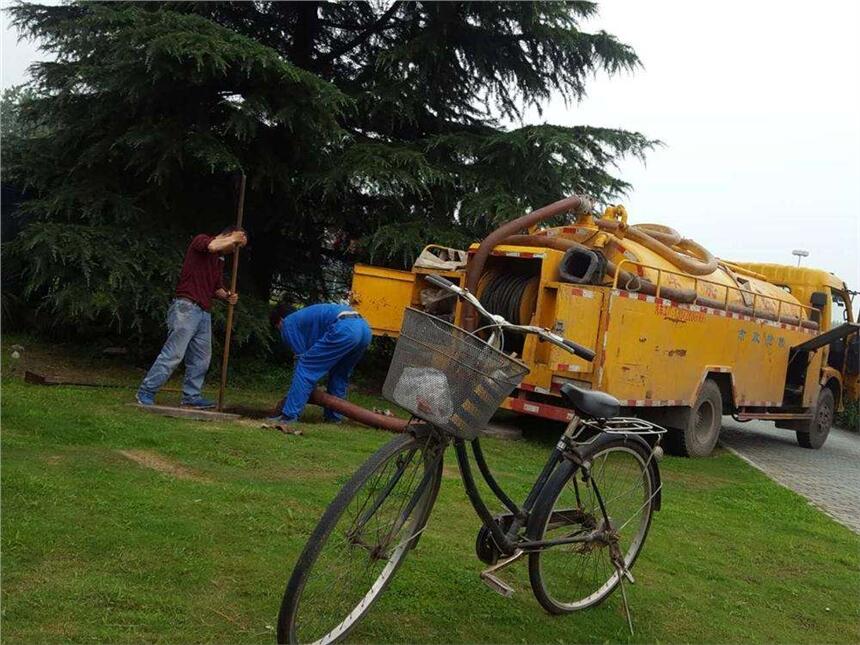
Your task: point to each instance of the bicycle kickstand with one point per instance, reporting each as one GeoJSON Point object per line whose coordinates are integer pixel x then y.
{"type": "Point", "coordinates": [623, 573]}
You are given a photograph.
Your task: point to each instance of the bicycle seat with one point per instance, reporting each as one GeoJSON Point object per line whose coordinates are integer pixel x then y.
{"type": "Point", "coordinates": [598, 405]}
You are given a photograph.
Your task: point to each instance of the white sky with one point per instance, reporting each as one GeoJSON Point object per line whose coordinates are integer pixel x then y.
{"type": "Point", "coordinates": [758, 104]}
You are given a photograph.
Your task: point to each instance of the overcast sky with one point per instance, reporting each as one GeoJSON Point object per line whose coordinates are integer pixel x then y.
{"type": "Point", "coordinates": [758, 104]}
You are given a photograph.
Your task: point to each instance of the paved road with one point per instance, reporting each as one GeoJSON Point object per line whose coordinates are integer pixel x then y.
{"type": "Point", "coordinates": [828, 477]}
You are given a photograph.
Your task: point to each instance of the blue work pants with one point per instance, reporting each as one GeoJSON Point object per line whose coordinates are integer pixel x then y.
{"type": "Point", "coordinates": [336, 354]}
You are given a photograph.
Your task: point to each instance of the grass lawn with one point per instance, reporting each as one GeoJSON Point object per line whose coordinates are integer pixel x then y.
{"type": "Point", "coordinates": [120, 526]}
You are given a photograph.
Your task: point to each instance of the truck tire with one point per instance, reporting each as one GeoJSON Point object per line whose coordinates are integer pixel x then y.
{"type": "Point", "coordinates": [815, 434]}
{"type": "Point", "coordinates": [700, 434]}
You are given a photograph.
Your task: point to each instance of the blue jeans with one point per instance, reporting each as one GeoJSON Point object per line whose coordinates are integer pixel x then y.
{"type": "Point", "coordinates": [336, 354]}
{"type": "Point", "coordinates": [189, 336]}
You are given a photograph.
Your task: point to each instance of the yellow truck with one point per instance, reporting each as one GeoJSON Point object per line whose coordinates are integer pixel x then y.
{"type": "Point", "coordinates": [681, 338]}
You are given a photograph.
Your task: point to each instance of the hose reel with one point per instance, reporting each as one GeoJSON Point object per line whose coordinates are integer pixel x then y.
{"type": "Point", "coordinates": [512, 295]}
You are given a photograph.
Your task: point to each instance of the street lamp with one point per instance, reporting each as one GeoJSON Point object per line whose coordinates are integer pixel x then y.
{"type": "Point", "coordinates": [800, 253]}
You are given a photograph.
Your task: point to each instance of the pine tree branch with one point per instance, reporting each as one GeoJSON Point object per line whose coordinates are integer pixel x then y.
{"type": "Point", "coordinates": [338, 25]}
{"type": "Point", "coordinates": [376, 27]}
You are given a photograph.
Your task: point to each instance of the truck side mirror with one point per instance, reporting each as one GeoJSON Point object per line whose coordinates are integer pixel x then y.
{"type": "Point", "coordinates": [818, 299]}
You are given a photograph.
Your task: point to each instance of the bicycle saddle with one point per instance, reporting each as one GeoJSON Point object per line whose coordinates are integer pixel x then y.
{"type": "Point", "coordinates": [598, 405]}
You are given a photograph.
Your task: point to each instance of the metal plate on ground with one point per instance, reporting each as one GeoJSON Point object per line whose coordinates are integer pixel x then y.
{"type": "Point", "coordinates": [186, 413]}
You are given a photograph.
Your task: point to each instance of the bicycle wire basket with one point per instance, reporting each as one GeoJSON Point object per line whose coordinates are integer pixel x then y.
{"type": "Point", "coordinates": [447, 376]}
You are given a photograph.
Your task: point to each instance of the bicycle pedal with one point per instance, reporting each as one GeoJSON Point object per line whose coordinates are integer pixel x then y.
{"type": "Point", "coordinates": [497, 584]}
{"type": "Point", "coordinates": [494, 582]}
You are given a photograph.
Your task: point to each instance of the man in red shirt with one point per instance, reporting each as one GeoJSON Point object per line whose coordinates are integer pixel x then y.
{"type": "Point", "coordinates": [189, 322]}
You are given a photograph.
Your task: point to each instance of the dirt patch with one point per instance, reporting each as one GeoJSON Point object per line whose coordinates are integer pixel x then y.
{"type": "Point", "coordinates": [250, 423]}
{"type": "Point", "coordinates": [73, 363]}
{"type": "Point", "coordinates": [254, 424]}
{"type": "Point", "coordinates": [251, 413]}
{"type": "Point", "coordinates": [154, 461]}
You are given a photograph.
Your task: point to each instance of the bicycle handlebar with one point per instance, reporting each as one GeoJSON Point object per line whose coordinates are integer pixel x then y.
{"type": "Point", "coordinates": [579, 350]}
{"type": "Point", "coordinates": [545, 334]}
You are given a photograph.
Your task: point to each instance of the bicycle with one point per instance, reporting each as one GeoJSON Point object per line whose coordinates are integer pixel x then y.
{"type": "Point", "coordinates": [582, 525]}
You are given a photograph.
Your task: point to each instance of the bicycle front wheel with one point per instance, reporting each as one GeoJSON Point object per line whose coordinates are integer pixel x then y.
{"type": "Point", "coordinates": [575, 576]}
{"type": "Point", "coordinates": [360, 541]}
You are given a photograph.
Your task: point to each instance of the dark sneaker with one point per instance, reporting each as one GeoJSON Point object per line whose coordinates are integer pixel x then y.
{"type": "Point", "coordinates": [144, 398]}
{"type": "Point", "coordinates": [199, 403]}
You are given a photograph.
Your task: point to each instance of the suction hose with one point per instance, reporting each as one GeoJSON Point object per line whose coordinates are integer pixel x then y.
{"type": "Point", "coordinates": [643, 286]}
{"type": "Point", "coordinates": [665, 234]}
{"type": "Point", "coordinates": [358, 413]}
{"type": "Point", "coordinates": [696, 259]}
{"type": "Point", "coordinates": [576, 203]}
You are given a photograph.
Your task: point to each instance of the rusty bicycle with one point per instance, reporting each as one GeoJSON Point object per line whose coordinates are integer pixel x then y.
{"type": "Point", "coordinates": [582, 525]}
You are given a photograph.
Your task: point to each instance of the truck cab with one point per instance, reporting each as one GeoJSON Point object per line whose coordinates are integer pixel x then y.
{"type": "Point", "coordinates": [830, 295]}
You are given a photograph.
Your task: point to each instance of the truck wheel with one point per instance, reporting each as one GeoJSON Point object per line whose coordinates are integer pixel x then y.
{"type": "Point", "coordinates": [702, 430]}
{"type": "Point", "coordinates": [819, 427]}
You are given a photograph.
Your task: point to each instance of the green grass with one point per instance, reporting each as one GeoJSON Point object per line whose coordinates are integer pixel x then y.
{"type": "Point", "coordinates": [849, 418]}
{"type": "Point", "coordinates": [97, 548]}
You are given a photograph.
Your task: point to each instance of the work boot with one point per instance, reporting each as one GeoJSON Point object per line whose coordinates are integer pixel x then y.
{"type": "Point", "coordinates": [198, 403]}
{"type": "Point", "coordinates": [145, 398]}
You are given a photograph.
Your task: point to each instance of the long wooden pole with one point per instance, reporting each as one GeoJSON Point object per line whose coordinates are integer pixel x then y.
{"type": "Point", "coordinates": [240, 212]}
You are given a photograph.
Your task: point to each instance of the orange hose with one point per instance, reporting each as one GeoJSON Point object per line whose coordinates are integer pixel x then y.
{"type": "Point", "coordinates": [476, 265]}
{"type": "Point", "coordinates": [358, 413]}
{"type": "Point", "coordinates": [665, 234]}
{"type": "Point", "coordinates": [702, 261]}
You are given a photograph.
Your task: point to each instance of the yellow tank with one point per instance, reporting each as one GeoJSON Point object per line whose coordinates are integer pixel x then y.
{"type": "Point", "coordinates": [656, 260]}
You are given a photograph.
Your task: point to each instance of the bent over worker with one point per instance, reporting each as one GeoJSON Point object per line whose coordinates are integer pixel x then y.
{"type": "Point", "coordinates": [326, 339]}
{"type": "Point", "coordinates": [189, 324]}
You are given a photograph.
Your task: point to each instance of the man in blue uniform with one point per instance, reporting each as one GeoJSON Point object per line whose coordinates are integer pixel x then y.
{"type": "Point", "coordinates": [326, 339]}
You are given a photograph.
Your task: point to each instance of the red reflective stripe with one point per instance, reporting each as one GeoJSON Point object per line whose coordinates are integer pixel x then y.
{"type": "Point", "coordinates": [651, 403]}
{"type": "Point", "coordinates": [541, 410]}
{"type": "Point", "coordinates": [534, 388]}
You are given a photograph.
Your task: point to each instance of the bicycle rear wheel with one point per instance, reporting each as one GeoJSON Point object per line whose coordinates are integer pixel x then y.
{"type": "Point", "coordinates": [575, 576]}
{"type": "Point", "coordinates": [361, 540]}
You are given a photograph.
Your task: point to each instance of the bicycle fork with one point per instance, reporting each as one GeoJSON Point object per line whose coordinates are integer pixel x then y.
{"type": "Point", "coordinates": [380, 550]}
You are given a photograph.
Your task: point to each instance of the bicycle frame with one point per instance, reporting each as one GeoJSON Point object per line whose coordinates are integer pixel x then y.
{"type": "Point", "coordinates": [506, 540]}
